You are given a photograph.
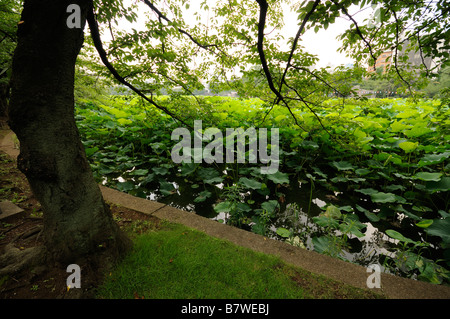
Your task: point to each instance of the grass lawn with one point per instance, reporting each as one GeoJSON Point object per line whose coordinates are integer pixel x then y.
{"type": "Point", "coordinates": [174, 262]}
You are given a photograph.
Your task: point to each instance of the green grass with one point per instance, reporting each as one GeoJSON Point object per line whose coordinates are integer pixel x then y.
{"type": "Point", "coordinates": [176, 262]}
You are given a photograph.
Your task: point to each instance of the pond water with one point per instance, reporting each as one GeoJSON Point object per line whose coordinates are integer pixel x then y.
{"type": "Point", "coordinates": [297, 209]}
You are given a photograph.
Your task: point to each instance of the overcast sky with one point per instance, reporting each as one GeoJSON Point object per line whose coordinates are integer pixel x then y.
{"type": "Point", "coordinates": [324, 43]}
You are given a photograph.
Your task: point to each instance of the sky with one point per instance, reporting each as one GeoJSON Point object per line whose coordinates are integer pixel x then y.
{"type": "Point", "coordinates": [324, 43]}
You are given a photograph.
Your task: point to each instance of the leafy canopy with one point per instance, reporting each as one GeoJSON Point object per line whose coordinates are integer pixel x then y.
{"type": "Point", "coordinates": [177, 46]}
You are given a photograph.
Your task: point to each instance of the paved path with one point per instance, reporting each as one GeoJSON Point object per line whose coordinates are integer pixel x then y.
{"type": "Point", "coordinates": [354, 275]}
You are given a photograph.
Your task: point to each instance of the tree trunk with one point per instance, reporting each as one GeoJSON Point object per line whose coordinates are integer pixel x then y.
{"type": "Point", "coordinates": [3, 99]}
{"type": "Point", "coordinates": [77, 222]}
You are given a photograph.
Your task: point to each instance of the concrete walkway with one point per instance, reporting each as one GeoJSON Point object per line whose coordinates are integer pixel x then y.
{"type": "Point", "coordinates": [351, 274]}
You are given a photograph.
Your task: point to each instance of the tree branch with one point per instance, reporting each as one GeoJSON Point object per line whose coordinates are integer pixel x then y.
{"type": "Point", "coordinates": [12, 38]}
{"type": "Point", "coordinates": [358, 31]}
{"type": "Point", "coordinates": [297, 36]}
{"type": "Point", "coordinates": [95, 34]}
{"type": "Point", "coordinates": [421, 55]}
{"type": "Point", "coordinates": [261, 24]}
{"type": "Point", "coordinates": [424, 25]}
{"type": "Point", "coordinates": [317, 77]}
{"type": "Point", "coordinates": [397, 31]}
{"type": "Point", "coordinates": [203, 46]}
{"type": "Point", "coordinates": [307, 104]}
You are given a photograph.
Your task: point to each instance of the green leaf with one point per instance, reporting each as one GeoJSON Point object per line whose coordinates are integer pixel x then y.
{"type": "Point", "coordinates": [243, 207]}
{"type": "Point", "coordinates": [397, 126]}
{"type": "Point", "coordinates": [332, 212]}
{"type": "Point", "coordinates": [383, 197]}
{"type": "Point", "coordinates": [123, 121]}
{"type": "Point", "coordinates": [148, 179]}
{"type": "Point", "coordinates": [430, 177]}
{"type": "Point", "coordinates": [325, 221]}
{"type": "Point", "coordinates": [443, 213]}
{"type": "Point", "coordinates": [407, 260]}
{"type": "Point", "coordinates": [367, 191]}
{"type": "Point", "coordinates": [279, 178]}
{"type": "Point", "coordinates": [395, 187]}
{"type": "Point", "coordinates": [139, 172]}
{"type": "Point", "coordinates": [417, 131]}
{"type": "Point", "coordinates": [325, 245]}
{"type": "Point", "coordinates": [160, 170]}
{"type": "Point", "coordinates": [346, 208]}
{"type": "Point", "coordinates": [310, 145]}
{"type": "Point", "coordinates": [250, 183]}
{"type": "Point", "coordinates": [188, 168]}
{"type": "Point", "coordinates": [202, 196]}
{"type": "Point", "coordinates": [441, 228]}
{"type": "Point", "coordinates": [442, 185]}
{"type": "Point", "coordinates": [223, 207]}
{"type": "Point", "coordinates": [362, 171]}
{"type": "Point", "coordinates": [270, 206]}
{"type": "Point", "coordinates": [339, 179]}
{"type": "Point", "coordinates": [425, 223]}
{"type": "Point", "coordinates": [370, 216]}
{"type": "Point", "coordinates": [431, 159]}
{"type": "Point", "coordinates": [166, 188]}
{"type": "Point", "coordinates": [343, 165]}
{"type": "Point", "coordinates": [125, 186]}
{"type": "Point", "coordinates": [283, 232]}
{"type": "Point", "coordinates": [353, 228]}
{"type": "Point", "coordinates": [430, 271]}
{"type": "Point", "coordinates": [90, 151]}
{"type": "Point", "coordinates": [408, 147]}
{"type": "Point", "coordinates": [396, 235]}
{"type": "Point", "coordinates": [357, 179]}
{"type": "Point", "coordinates": [209, 175]}
{"type": "Point", "coordinates": [259, 226]}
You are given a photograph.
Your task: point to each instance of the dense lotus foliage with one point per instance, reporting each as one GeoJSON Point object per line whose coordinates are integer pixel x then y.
{"type": "Point", "coordinates": [377, 166]}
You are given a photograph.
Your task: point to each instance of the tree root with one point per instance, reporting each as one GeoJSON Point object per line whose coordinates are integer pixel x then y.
{"type": "Point", "coordinates": [15, 260]}
{"type": "Point", "coordinates": [36, 230]}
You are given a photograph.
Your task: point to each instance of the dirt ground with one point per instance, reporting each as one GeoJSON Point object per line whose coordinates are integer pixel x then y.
{"type": "Point", "coordinates": [23, 231]}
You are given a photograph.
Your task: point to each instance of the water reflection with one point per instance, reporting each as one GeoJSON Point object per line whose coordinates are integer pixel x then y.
{"type": "Point", "coordinates": [364, 251]}
{"type": "Point", "coordinates": [296, 213]}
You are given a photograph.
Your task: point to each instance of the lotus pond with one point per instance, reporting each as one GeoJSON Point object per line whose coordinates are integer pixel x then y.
{"type": "Point", "coordinates": [370, 184]}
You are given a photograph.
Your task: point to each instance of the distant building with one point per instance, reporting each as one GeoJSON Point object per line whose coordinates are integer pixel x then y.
{"type": "Point", "coordinates": [383, 61]}
{"type": "Point", "coordinates": [415, 58]}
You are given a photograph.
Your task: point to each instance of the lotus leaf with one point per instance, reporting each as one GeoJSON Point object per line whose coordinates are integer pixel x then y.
{"type": "Point", "coordinates": [430, 177]}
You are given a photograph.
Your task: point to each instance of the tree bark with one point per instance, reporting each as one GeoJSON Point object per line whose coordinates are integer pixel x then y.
{"type": "Point", "coordinates": [77, 222]}
{"type": "Point", "coordinates": [3, 99]}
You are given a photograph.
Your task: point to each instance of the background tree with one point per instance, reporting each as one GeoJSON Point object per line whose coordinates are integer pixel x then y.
{"type": "Point", "coordinates": [438, 86]}
{"type": "Point", "coordinates": [9, 16]}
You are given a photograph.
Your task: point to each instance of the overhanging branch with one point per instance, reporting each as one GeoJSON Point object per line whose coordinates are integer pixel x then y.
{"type": "Point", "coordinates": [263, 6]}
{"type": "Point", "coordinates": [358, 32]}
{"type": "Point", "coordinates": [297, 36]}
{"type": "Point", "coordinates": [261, 25]}
{"type": "Point", "coordinates": [163, 17]}
{"type": "Point", "coordinates": [397, 31]}
{"type": "Point", "coordinates": [95, 34]}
